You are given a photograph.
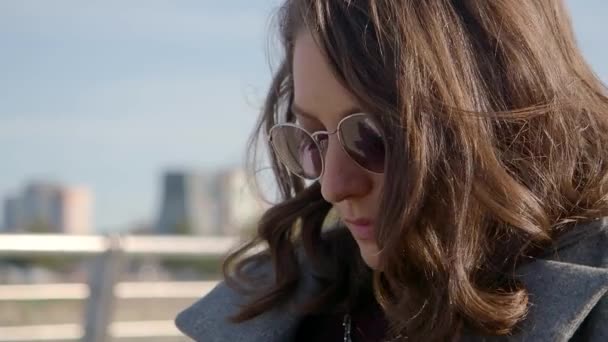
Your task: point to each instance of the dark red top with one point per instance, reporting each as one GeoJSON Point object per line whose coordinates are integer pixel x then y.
{"type": "Point", "coordinates": [368, 324]}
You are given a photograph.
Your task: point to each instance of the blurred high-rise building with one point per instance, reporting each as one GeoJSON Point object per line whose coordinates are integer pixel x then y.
{"type": "Point", "coordinates": [13, 214]}
{"type": "Point", "coordinates": [238, 207]}
{"type": "Point", "coordinates": [213, 204]}
{"type": "Point", "coordinates": [41, 208]}
{"type": "Point", "coordinates": [183, 205]}
{"type": "Point", "coordinates": [75, 210]}
{"type": "Point", "coordinates": [49, 208]}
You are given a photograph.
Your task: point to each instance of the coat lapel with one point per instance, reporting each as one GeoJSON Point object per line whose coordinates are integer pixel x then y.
{"type": "Point", "coordinates": [561, 295]}
{"type": "Point", "coordinates": [562, 288]}
{"type": "Point", "coordinates": [207, 321]}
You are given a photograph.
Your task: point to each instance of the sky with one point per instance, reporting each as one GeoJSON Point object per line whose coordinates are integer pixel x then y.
{"type": "Point", "coordinates": [111, 94]}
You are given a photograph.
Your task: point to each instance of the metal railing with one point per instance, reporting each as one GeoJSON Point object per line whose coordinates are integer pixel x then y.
{"type": "Point", "coordinates": [103, 289]}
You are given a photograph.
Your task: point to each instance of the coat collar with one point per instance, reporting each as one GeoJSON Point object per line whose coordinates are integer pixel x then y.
{"type": "Point", "coordinates": [561, 295]}
{"type": "Point", "coordinates": [207, 319]}
{"type": "Point", "coordinates": [564, 285]}
{"type": "Point", "coordinates": [562, 292]}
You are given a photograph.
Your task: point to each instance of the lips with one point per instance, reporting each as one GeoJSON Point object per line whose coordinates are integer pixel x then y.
{"type": "Point", "coordinates": [361, 228]}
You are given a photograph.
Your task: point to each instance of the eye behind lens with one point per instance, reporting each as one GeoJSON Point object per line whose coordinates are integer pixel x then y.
{"type": "Point", "coordinates": [297, 151]}
{"type": "Point", "coordinates": [363, 140]}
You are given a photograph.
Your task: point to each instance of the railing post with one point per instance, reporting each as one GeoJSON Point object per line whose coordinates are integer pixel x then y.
{"type": "Point", "coordinates": [104, 274]}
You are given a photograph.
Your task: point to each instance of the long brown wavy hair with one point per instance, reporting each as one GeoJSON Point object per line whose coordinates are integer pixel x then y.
{"type": "Point", "coordinates": [499, 143]}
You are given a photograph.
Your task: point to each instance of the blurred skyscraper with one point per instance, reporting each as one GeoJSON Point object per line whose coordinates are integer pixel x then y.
{"type": "Point", "coordinates": [215, 204]}
{"type": "Point", "coordinates": [49, 208]}
{"type": "Point", "coordinates": [238, 207]}
{"type": "Point", "coordinates": [13, 213]}
{"type": "Point", "coordinates": [183, 205]}
{"type": "Point", "coordinates": [41, 208]}
{"type": "Point", "coordinates": [75, 210]}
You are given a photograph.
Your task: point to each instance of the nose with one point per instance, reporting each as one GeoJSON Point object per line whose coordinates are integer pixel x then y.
{"type": "Point", "coordinates": [342, 178]}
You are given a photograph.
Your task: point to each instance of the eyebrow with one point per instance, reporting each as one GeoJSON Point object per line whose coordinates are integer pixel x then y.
{"type": "Point", "coordinates": [300, 112]}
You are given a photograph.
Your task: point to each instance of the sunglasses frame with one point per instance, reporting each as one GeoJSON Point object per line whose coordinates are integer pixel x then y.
{"type": "Point", "coordinates": [314, 135]}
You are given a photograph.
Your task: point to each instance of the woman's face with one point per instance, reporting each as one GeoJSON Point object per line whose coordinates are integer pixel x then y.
{"type": "Point", "coordinates": [320, 102]}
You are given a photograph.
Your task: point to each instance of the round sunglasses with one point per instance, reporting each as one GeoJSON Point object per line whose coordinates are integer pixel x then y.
{"type": "Point", "coordinates": [303, 153]}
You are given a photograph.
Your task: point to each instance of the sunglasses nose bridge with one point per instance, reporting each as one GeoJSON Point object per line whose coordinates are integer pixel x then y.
{"type": "Point", "coordinates": [322, 139]}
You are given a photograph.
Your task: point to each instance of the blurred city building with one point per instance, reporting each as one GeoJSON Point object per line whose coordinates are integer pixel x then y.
{"type": "Point", "coordinates": [183, 204]}
{"type": "Point", "coordinates": [49, 208]}
{"type": "Point", "coordinates": [237, 206]}
{"type": "Point", "coordinates": [219, 203]}
{"type": "Point", "coordinates": [13, 212]}
{"type": "Point", "coordinates": [41, 208]}
{"type": "Point", "coordinates": [75, 210]}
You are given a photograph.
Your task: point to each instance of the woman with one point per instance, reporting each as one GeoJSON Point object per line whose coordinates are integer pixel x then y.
{"type": "Point", "coordinates": [464, 147]}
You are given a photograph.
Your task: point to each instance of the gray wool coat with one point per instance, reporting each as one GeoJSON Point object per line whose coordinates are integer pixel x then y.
{"type": "Point", "coordinates": [568, 293]}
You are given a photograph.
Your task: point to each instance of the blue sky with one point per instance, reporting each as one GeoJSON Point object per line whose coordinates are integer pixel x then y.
{"type": "Point", "coordinates": [110, 94]}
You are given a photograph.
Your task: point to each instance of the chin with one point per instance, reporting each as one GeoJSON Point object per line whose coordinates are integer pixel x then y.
{"type": "Point", "coordinates": [369, 253]}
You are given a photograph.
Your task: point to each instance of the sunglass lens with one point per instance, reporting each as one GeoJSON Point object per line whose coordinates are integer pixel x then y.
{"type": "Point", "coordinates": [297, 150]}
{"type": "Point", "coordinates": [362, 139]}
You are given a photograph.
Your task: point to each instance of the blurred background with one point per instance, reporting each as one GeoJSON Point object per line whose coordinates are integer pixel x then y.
{"type": "Point", "coordinates": [123, 121]}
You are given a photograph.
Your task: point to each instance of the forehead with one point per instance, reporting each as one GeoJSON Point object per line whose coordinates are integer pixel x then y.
{"type": "Point", "coordinates": [316, 89]}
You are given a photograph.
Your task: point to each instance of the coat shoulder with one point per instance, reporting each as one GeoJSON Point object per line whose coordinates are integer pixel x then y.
{"type": "Point", "coordinates": [584, 244]}
{"type": "Point", "coordinates": [589, 247]}
{"type": "Point", "coordinates": [568, 287]}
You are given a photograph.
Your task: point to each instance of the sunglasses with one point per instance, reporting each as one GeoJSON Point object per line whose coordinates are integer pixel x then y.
{"type": "Point", "coordinates": [303, 153]}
